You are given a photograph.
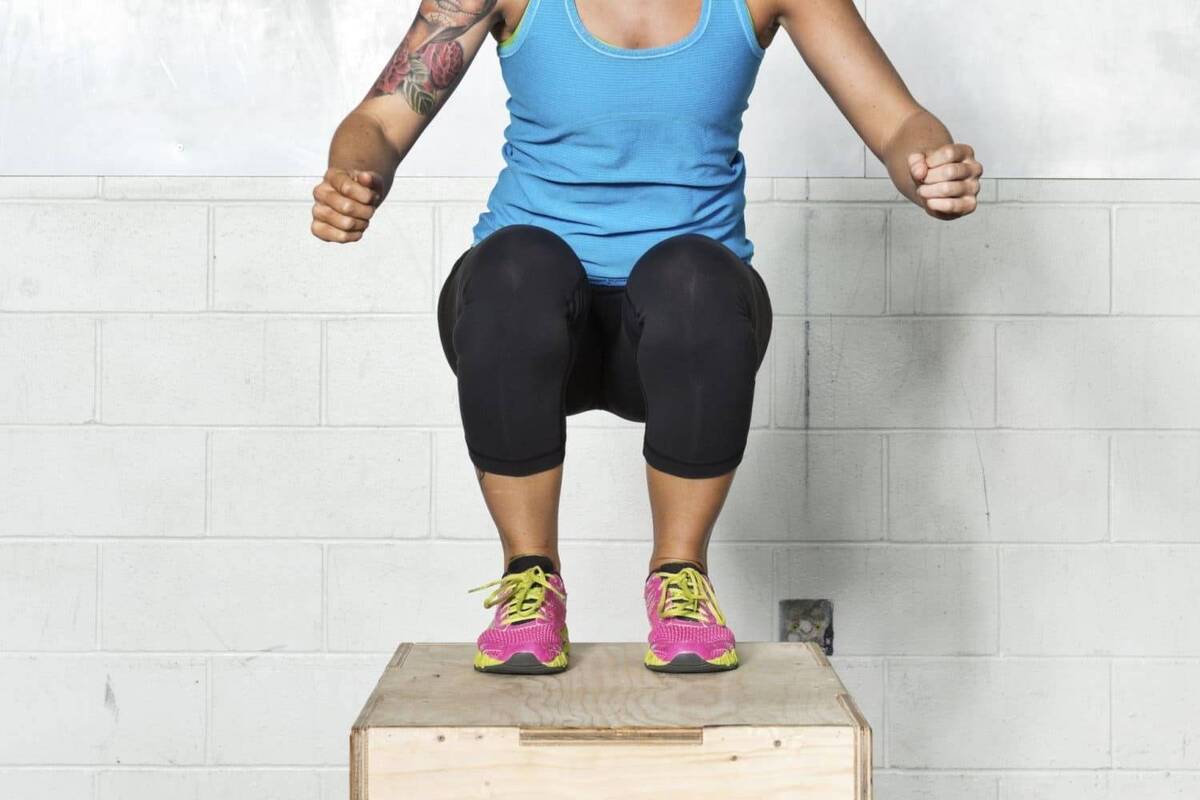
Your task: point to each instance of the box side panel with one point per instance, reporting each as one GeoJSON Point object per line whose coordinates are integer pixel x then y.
{"type": "Point", "coordinates": [732, 763]}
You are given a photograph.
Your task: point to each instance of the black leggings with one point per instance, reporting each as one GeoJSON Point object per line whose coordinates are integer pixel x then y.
{"type": "Point", "coordinates": [532, 340]}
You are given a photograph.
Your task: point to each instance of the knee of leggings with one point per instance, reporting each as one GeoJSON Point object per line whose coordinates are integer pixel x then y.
{"type": "Point", "coordinates": [697, 287]}
{"type": "Point", "coordinates": [524, 293]}
{"type": "Point", "coordinates": [691, 265]}
{"type": "Point", "coordinates": [525, 264]}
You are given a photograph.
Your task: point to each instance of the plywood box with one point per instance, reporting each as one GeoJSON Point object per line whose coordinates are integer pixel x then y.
{"type": "Point", "coordinates": [781, 725]}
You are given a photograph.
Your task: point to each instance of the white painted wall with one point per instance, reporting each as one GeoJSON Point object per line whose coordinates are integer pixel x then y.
{"type": "Point", "coordinates": [232, 471]}
{"type": "Point", "coordinates": [232, 477]}
{"type": "Point", "coordinates": [1073, 89]}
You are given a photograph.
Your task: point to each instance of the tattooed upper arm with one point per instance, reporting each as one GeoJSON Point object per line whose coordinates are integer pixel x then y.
{"type": "Point", "coordinates": [431, 59]}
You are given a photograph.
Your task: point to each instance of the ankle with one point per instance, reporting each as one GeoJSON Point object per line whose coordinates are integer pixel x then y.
{"type": "Point", "coordinates": [674, 564]}
{"type": "Point", "coordinates": [522, 561]}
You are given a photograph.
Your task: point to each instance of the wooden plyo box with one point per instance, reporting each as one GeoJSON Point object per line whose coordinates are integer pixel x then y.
{"type": "Point", "coordinates": [781, 725]}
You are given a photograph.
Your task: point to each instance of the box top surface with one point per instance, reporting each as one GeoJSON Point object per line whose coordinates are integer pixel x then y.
{"type": "Point", "coordinates": [606, 686]}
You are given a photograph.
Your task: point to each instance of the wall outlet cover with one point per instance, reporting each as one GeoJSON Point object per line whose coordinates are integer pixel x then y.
{"type": "Point", "coordinates": [807, 621]}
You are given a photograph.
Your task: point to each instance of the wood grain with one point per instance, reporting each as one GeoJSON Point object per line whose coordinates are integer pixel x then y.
{"type": "Point", "coordinates": [777, 683]}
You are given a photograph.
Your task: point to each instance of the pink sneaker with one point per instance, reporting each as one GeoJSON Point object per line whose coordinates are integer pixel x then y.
{"type": "Point", "coordinates": [687, 628]}
{"type": "Point", "coordinates": [528, 632]}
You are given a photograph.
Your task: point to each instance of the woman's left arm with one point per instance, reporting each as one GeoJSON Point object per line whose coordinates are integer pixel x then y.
{"type": "Point", "coordinates": [923, 160]}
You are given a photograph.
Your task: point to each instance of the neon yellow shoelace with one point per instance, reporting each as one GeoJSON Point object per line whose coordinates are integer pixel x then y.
{"type": "Point", "coordinates": [681, 594]}
{"type": "Point", "coordinates": [523, 591]}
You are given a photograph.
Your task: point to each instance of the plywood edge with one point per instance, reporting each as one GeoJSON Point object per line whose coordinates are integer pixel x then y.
{"type": "Point", "coordinates": [396, 661]}
{"type": "Point", "coordinates": [863, 748]}
{"type": "Point", "coordinates": [358, 763]}
{"type": "Point", "coordinates": [400, 655]}
{"type": "Point", "coordinates": [818, 654]}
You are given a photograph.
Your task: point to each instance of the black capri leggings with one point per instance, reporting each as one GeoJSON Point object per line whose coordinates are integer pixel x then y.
{"type": "Point", "coordinates": [532, 340]}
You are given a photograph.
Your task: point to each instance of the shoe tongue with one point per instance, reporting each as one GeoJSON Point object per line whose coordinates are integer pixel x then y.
{"type": "Point", "coordinates": [676, 567]}
{"type": "Point", "coordinates": [522, 563]}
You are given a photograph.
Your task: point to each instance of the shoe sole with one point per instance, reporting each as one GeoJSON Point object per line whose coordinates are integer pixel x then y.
{"type": "Point", "coordinates": [522, 663]}
{"type": "Point", "coordinates": [692, 662]}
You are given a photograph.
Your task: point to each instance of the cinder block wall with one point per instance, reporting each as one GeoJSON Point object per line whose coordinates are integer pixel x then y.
{"type": "Point", "coordinates": [232, 477]}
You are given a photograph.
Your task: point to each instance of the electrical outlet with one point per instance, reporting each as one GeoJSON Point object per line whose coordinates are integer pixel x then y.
{"type": "Point", "coordinates": [807, 621]}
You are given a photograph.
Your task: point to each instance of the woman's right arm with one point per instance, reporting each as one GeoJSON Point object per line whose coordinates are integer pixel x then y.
{"type": "Point", "coordinates": [377, 134]}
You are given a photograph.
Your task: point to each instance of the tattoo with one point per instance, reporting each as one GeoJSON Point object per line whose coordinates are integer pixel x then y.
{"type": "Point", "coordinates": [429, 61]}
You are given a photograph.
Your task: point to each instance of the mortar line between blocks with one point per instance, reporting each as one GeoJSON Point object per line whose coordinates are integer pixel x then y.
{"type": "Point", "coordinates": [323, 376]}
{"type": "Point", "coordinates": [97, 369]}
{"type": "Point", "coordinates": [776, 622]}
{"type": "Point", "coordinates": [612, 541]}
{"type": "Point", "coordinates": [887, 734]}
{"type": "Point", "coordinates": [347, 655]}
{"type": "Point", "coordinates": [995, 374]}
{"type": "Point", "coordinates": [325, 598]}
{"type": "Point", "coordinates": [431, 515]}
{"type": "Point", "coordinates": [99, 593]}
{"type": "Point", "coordinates": [1112, 257]}
{"type": "Point", "coordinates": [210, 276]}
{"type": "Point", "coordinates": [1112, 671]}
{"type": "Point", "coordinates": [352, 315]}
{"type": "Point", "coordinates": [208, 483]}
{"type": "Point", "coordinates": [1109, 515]}
{"type": "Point", "coordinates": [436, 227]}
{"type": "Point", "coordinates": [886, 481]}
{"type": "Point", "coordinates": [208, 681]}
{"type": "Point", "coordinates": [999, 646]}
{"type": "Point", "coordinates": [340, 769]}
{"type": "Point", "coordinates": [999, 555]}
{"type": "Point", "coordinates": [887, 261]}
{"type": "Point", "coordinates": [452, 427]}
{"type": "Point", "coordinates": [772, 405]}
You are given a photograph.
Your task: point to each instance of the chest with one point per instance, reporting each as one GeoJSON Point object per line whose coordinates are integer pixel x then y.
{"type": "Point", "coordinates": [563, 73]}
{"type": "Point", "coordinates": [639, 26]}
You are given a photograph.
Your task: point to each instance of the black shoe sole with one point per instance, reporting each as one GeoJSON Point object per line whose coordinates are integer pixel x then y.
{"type": "Point", "coordinates": [689, 662]}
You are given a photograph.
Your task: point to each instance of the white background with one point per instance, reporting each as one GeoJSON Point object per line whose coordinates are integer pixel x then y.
{"type": "Point", "coordinates": [233, 477]}
{"type": "Point", "coordinates": [1075, 88]}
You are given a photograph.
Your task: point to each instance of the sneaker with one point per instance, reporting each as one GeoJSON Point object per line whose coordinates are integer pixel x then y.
{"type": "Point", "coordinates": [528, 632]}
{"type": "Point", "coordinates": [687, 629]}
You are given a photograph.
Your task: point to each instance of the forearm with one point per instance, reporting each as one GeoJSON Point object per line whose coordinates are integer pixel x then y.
{"type": "Point", "coordinates": [921, 132]}
{"type": "Point", "coordinates": [359, 144]}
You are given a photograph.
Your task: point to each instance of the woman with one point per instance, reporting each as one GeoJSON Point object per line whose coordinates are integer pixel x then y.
{"type": "Point", "coordinates": [611, 269]}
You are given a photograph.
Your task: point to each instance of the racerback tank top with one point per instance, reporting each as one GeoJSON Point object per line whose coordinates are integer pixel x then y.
{"type": "Point", "coordinates": [615, 149]}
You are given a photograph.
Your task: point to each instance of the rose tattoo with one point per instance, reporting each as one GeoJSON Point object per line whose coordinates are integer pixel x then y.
{"type": "Point", "coordinates": [430, 60]}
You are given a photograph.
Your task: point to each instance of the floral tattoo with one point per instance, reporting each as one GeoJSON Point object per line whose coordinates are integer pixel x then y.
{"type": "Point", "coordinates": [429, 61]}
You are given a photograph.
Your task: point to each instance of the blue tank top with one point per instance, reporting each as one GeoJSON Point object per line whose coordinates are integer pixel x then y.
{"type": "Point", "coordinates": [615, 149]}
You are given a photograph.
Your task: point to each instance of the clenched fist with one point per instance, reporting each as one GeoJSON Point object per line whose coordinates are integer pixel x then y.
{"type": "Point", "coordinates": [346, 201]}
{"type": "Point", "coordinates": [947, 180]}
